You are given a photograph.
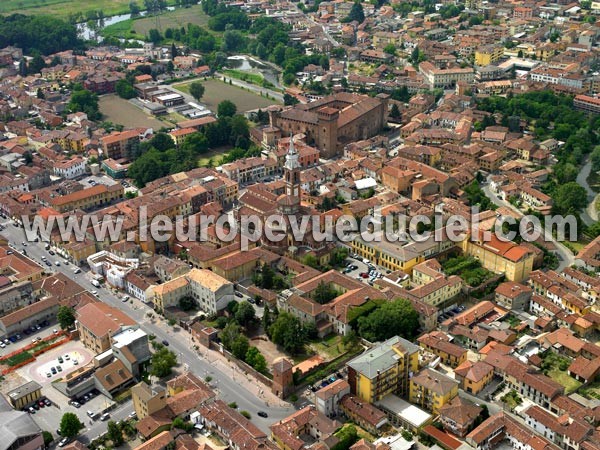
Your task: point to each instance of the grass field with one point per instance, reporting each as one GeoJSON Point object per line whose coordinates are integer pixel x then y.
{"type": "Point", "coordinates": [217, 91]}
{"type": "Point", "coordinates": [134, 28]}
{"type": "Point", "coordinates": [254, 78]}
{"type": "Point", "coordinates": [120, 111]}
{"type": "Point", "coordinates": [62, 8]}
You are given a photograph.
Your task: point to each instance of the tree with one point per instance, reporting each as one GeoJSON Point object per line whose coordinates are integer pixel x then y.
{"type": "Point", "coordinates": [173, 50]}
{"type": "Point", "coordinates": [40, 94]}
{"type": "Point", "coordinates": [70, 425]}
{"type": "Point", "coordinates": [226, 109]}
{"type": "Point", "coordinates": [162, 362]}
{"type": "Point", "coordinates": [240, 346]}
{"type": "Point", "coordinates": [289, 100]}
{"type": "Point", "coordinates": [356, 13]}
{"type": "Point", "coordinates": [125, 89]}
{"type": "Point", "coordinates": [38, 33]}
{"type": "Point", "coordinates": [178, 422]}
{"type": "Point", "coordinates": [390, 319]}
{"type": "Point", "coordinates": [36, 64]}
{"type": "Point", "coordinates": [187, 303]}
{"type": "Point", "coordinates": [256, 360]}
{"type": "Point", "coordinates": [324, 293]}
{"type": "Point", "coordinates": [245, 313]}
{"type": "Point", "coordinates": [390, 49]}
{"type": "Point", "coordinates": [197, 90]}
{"type": "Point", "coordinates": [154, 36]}
{"type": "Point", "coordinates": [569, 198]}
{"type": "Point", "coordinates": [115, 434]}
{"type": "Point", "coordinates": [170, 66]}
{"type": "Point", "coordinates": [28, 157]}
{"type": "Point", "coordinates": [395, 112]}
{"type": "Point", "coordinates": [414, 56]}
{"type": "Point", "coordinates": [85, 101]}
{"type": "Point", "coordinates": [347, 437]}
{"type": "Point", "coordinates": [134, 9]}
{"type": "Point", "coordinates": [65, 317]}
{"type": "Point", "coordinates": [48, 438]}
{"type": "Point", "coordinates": [266, 318]}
{"type": "Point", "coordinates": [288, 332]}
{"type": "Point", "coordinates": [229, 335]}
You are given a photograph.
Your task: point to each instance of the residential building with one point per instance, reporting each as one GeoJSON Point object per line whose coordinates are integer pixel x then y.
{"type": "Point", "coordinates": [383, 370]}
{"type": "Point", "coordinates": [97, 322]}
{"type": "Point", "coordinates": [431, 390]}
{"type": "Point", "coordinates": [210, 291]}
{"type": "Point", "coordinates": [24, 395]}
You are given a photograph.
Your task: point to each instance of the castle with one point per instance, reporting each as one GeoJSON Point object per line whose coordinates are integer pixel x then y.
{"type": "Point", "coordinates": [333, 121]}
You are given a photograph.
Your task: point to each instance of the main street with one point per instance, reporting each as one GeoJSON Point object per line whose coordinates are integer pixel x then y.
{"type": "Point", "coordinates": [229, 389]}
{"type": "Point", "coordinates": [565, 256]}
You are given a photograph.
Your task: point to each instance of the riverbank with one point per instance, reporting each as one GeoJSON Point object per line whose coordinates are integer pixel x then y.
{"type": "Point", "coordinates": [590, 214]}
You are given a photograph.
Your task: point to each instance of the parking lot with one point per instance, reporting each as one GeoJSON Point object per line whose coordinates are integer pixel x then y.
{"type": "Point", "coordinates": [38, 370]}
{"type": "Point", "coordinates": [361, 268]}
{"type": "Point", "coordinates": [27, 339]}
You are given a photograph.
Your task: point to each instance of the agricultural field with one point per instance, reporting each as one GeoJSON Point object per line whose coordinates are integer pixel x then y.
{"type": "Point", "coordinates": [62, 8]}
{"type": "Point", "coordinates": [138, 28]}
{"type": "Point", "coordinates": [217, 91]}
{"type": "Point", "coordinates": [120, 111]}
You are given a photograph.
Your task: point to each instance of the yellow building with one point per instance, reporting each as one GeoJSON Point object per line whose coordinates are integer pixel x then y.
{"type": "Point", "coordinates": [488, 54]}
{"type": "Point", "coordinates": [439, 344]}
{"type": "Point", "coordinates": [89, 198]}
{"type": "Point", "coordinates": [431, 390]}
{"type": "Point", "coordinates": [24, 395]}
{"type": "Point", "coordinates": [147, 400]}
{"type": "Point", "coordinates": [514, 261]}
{"type": "Point", "coordinates": [398, 255]}
{"type": "Point", "coordinates": [474, 376]}
{"type": "Point", "coordinates": [383, 370]}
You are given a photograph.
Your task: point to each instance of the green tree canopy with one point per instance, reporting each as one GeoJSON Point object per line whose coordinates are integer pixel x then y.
{"type": "Point", "coordinates": [85, 101]}
{"type": "Point", "coordinates": [65, 317]}
{"type": "Point", "coordinates": [162, 362]}
{"type": "Point", "coordinates": [70, 425]}
{"type": "Point", "coordinates": [390, 319]}
{"type": "Point", "coordinates": [226, 109]}
{"type": "Point", "coordinates": [569, 198]}
{"type": "Point", "coordinates": [288, 332]}
{"type": "Point", "coordinates": [245, 313]}
{"type": "Point", "coordinates": [356, 13]}
{"type": "Point", "coordinates": [115, 434]}
{"type": "Point", "coordinates": [240, 346]}
{"type": "Point", "coordinates": [197, 90]}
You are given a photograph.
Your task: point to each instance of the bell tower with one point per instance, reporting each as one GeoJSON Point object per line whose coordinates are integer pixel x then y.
{"type": "Point", "coordinates": [289, 202]}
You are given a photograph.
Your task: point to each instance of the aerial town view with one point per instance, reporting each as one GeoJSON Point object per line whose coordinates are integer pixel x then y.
{"type": "Point", "coordinates": [307, 225]}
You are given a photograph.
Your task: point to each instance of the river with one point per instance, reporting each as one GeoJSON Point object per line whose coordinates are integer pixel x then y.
{"type": "Point", "coordinates": [252, 65]}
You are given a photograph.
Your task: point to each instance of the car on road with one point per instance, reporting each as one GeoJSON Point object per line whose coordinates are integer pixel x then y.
{"type": "Point", "coordinates": [57, 263]}
{"type": "Point", "coordinates": [48, 263]}
{"type": "Point", "coordinates": [95, 293]}
{"type": "Point", "coordinates": [239, 294]}
{"type": "Point", "coordinates": [105, 417]}
{"type": "Point", "coordinates": [251, 300]}
{"type": "Point", "coordinates": [125, 298]}
{"type": "Point", "coordinates": [31, 410]}
{"type": "Point", "coordinates": [50, 252]}
{"type": "Point", "coordinates": [63, 442]}
{"type": "Point", "coordinates": [77, 270]}
{"type": "Point", "coordinates": [262, 414]}
{"type": "Point", "coordinates": [132, 415]}
{"type": "Point", "coordinates": [2, 345]}
{"type": "Point", "coordinates": [165, 342]}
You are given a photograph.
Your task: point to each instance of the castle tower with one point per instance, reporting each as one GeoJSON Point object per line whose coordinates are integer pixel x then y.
{"type": "Point", "coordinates": [328, 131]}
{"type": "Point", "coordinates": [283, 379]}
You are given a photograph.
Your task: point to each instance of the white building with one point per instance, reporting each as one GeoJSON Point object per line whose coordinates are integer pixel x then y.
{"type": "Point", "coordinates": [71, 168]}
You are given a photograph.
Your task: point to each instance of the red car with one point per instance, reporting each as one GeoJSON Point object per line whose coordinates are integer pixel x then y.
{"type": "Point", "coordinates": [364, 275]}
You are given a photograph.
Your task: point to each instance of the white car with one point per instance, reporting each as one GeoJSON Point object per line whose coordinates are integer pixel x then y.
{"type": "Point", "coordinates": [57, 263]}
{"type": "Point", "coordinates": [63, 442]}
{"type": "Point", "coordinates": [2, 345]}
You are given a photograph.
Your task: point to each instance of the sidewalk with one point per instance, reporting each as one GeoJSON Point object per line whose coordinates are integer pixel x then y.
{"type": "Point", "coordinates": [230, 370]}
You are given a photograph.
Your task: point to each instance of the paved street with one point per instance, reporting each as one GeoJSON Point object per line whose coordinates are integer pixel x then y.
{"type": "Point", "coordinates": [566, 258]}
{"type": "Point", "coordinates": [229, 389]}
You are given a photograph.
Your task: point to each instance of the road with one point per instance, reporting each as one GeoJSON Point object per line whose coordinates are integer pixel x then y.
{"type": "Point", "coordinates": [566, 258]}
{"type": "Point", "coordinates": [228, 389]}
{"type": "Point", "coordinates": [589, 215]}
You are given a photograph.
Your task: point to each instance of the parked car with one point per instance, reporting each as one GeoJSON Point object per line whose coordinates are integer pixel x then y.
{"type": "Point", "coordinates": [165, 342]}
{"type": "Point", "coordinates": [239, 294]}
{"type": "Point", "coordinates": [262, 414]}
{"type": "Point", "coordinates": [105, 417]}
{"type": "Point", "coordinates": [47, 402]}
{"type": "Point", "coordinates": [63, 442]}
{"type": "Point", "coordinates": [31, 410]}
{"type": "Point", "coordinates": [60, 359]}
